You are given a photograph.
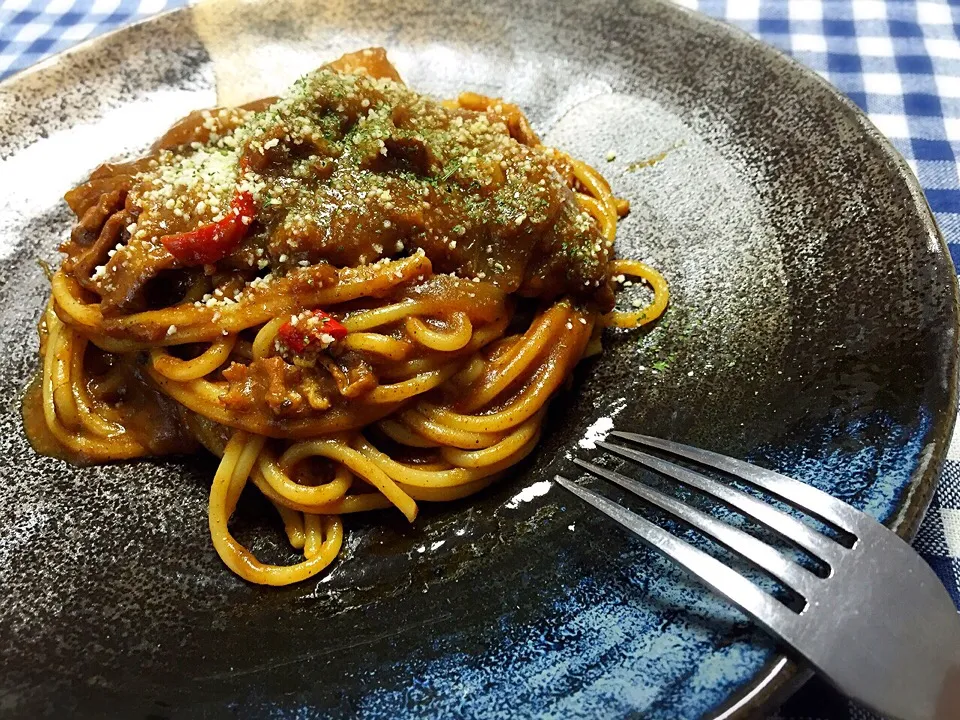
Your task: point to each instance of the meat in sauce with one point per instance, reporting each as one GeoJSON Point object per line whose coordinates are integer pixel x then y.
{"type": "Point", "coordinates": [348, 167]}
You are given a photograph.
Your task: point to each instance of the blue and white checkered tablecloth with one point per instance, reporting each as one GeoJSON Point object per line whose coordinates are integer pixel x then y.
{"type": "Point", "coordinates": [899, 60]}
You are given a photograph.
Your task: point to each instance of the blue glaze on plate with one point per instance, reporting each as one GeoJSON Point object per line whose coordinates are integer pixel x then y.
{"type": "Point", "coordinates": [628, 638]}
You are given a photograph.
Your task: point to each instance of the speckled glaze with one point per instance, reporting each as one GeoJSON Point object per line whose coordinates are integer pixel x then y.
{"type": "Point", "coordinates": [812, 330]}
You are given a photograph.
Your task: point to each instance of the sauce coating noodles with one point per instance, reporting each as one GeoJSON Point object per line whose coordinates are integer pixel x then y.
{"type": "Point", "coordinates": [356, 297]}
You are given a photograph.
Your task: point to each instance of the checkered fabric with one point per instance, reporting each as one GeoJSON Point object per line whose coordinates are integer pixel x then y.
{"type": "Point", "coordinates": [899, 60]}
{"type": "Point", "coordinates": [30, 30]}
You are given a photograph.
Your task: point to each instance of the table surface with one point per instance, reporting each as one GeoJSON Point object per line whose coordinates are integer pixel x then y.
{"type": "Point", "coordinates": [899, 60]}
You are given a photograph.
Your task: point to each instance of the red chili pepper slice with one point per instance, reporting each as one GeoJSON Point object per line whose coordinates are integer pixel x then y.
{"type": "Point", "coordinates": [214, 241]}
{"type": "Point", "coordinates": [311, 326]}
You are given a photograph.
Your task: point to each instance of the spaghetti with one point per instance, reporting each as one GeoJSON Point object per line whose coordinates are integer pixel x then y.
{"type": "Point", "coordinates": [358, 298]}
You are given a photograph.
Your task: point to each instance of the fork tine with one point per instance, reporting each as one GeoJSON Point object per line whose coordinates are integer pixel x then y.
{"type": "Point", "coordinates": [777, 520]}
{"type": "Point", "coordinates": [763, 608]}
{"type": "Point", "coordinates": [759, 553]}
{"type": "Point", "coordinates": [805, 497]}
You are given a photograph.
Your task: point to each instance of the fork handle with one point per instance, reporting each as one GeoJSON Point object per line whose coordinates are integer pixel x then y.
{"type": "Point", "coordinates": [948, 704]}
{"type": "Point", "coordinates": [912, 671]}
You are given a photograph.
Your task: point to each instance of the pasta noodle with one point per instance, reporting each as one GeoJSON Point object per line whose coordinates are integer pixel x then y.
{"type": "Point", "coordinates": [334, 383]}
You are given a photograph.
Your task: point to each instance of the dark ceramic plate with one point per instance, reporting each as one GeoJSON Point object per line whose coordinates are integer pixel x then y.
{"type": "Point", "coordinates": [812, 330]}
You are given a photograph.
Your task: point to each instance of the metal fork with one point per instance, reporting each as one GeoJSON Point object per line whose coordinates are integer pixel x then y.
{"type": "Point", "coordinates": [880, 626]}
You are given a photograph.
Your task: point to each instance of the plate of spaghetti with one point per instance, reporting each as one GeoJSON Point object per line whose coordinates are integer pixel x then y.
{"type": "Point", "coordinates": [318, 321]}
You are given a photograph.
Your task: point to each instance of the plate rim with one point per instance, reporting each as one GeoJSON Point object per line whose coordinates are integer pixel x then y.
{"type": "Point", "coordinates": [783, 676]}
{"type": "Point", "coordinates": [780, 677]}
